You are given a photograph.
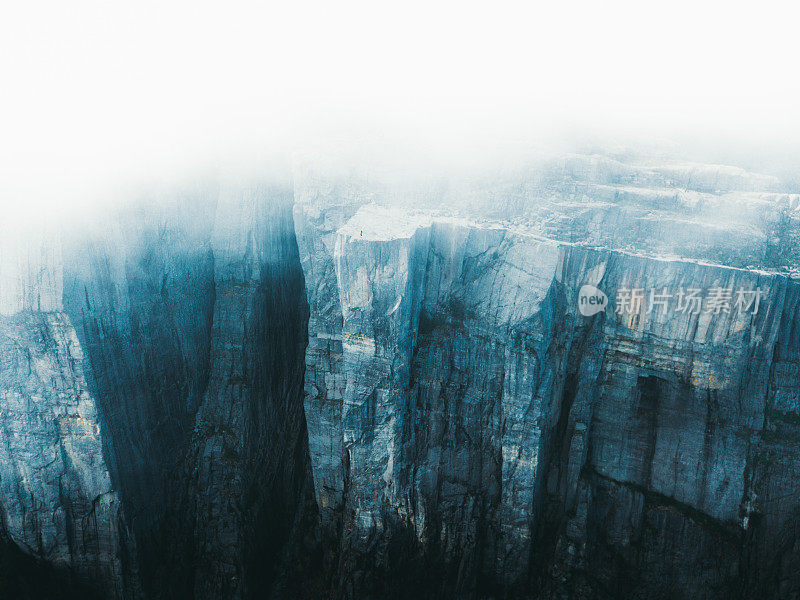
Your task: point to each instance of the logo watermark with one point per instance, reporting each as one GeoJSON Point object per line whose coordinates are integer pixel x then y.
{"type": "Point", "coordinates": [591, 300]}
{"type": "Point", "coordinates": [714, 300]}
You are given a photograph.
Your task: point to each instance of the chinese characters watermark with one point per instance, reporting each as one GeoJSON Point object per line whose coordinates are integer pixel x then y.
{"type": "Point", "coordinates": [714, 300]}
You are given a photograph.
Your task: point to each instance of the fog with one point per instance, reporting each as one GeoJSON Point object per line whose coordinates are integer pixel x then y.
{"type": "Point", "coordinates": [100, 98]}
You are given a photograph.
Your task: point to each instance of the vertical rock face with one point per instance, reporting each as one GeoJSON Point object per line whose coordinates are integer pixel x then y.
{"type": "Point", "coordinates": [427, 395]}
{"type": "Point", "coordinates": [177, 395]}
{"type": "Point", "coordinates": [57, 502]}
{"type": "Point", "coordinates": [30, 268]}
{"type": "Point", "coordinates": [195, 318]}
{"type": "Point", "coordinates": [249, 467]}
{"type": "Point", "coordinates": [140, 292]}
{"type": "Point", "coordinates": [464, 415]}
{"type": "Point", "coordinates": [265, 390]}
{"type": "Point", "coordinates": [771, 552]}
{"type": "Point", "coordinates": [652, 482]}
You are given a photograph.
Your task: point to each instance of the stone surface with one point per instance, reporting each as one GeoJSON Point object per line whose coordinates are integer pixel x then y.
{"type": "Point", "coordinates": [435, 349]}
{"type": "Point", "coordinates": [192, 310]}
{"type": "Point", "coordinates": [356, 386]}
{"type": "Point", "coordinates": [462, 414]}
{"type": "Point", "coordinates": [57, 502]}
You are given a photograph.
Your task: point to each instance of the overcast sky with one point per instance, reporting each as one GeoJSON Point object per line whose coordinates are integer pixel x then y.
{"type": "Point", "coordinates": [98, 91]}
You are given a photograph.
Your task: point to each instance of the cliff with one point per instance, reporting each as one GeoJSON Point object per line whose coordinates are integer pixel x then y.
{"type": "Point", "coordinates": [345, 387]}
{"type": "Point", "coordinates": [57, 502]}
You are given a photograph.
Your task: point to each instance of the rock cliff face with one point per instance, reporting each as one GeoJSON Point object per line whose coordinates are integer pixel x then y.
{"type": "Point", "coordinates": [473, 435]}
{"type": "Point", "coordinates": [424, 382]}
{"type": "Point", "coordinates": [473, 410]}
{"type": "Point", "coordinates": [327, 389]}
{"type": "Point", "coordinates": [195, 320]}
{"type": "Point", "coordinates": [655, 485]}
{"type": "Point", "coordinates": [57, 502]}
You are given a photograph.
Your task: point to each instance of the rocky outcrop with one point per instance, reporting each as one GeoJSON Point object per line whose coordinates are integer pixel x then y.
{"type": "Point", "coordinates": [57, 502]}
{"type": "Point", "coordinates": [194, 317]}
{"type": "Point", "coordinates": [177, 395]}
{"type": "Point", "coordinates": [140, 293]}
{"type": "Point", "coordinates": [652, 479]}
{"type": "Point", "coordinates": [251, 490]}
{"type": "Point", "coordinates": [423, 383]}
{"type": "Point", "coordinates": [346, 387]}
{"type": "Point", "coordinates": [463, 414]}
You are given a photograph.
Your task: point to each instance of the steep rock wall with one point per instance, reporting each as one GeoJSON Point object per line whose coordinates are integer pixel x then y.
{"type": "Point", "coordinates": [57, 501]}
{"type": "Point", "coordinates": [288, 391]}
{"type": "Point", "coordinates": [651, 481]}
{"type": "Point", "coordinates": [192, 310]}
{"type": "Point", "coordinates": [427, 394]}
{"type": "Point", "coordinates": [463, 414]}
